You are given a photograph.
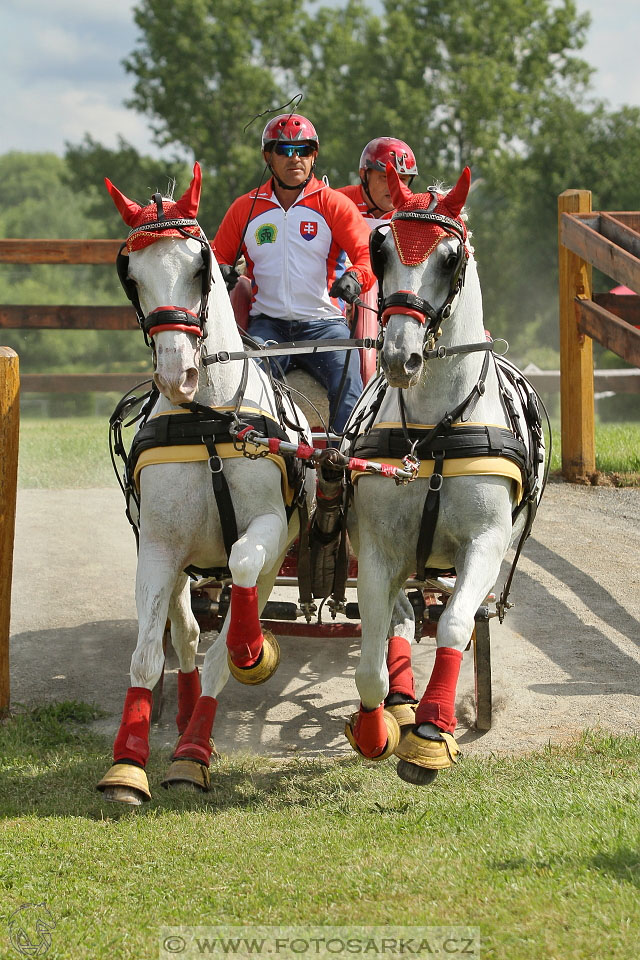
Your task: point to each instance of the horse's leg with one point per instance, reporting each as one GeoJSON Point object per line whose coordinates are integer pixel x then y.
{"type": "Point", "coordinates": [401, 698]}
{"type": "Point", "coordinates": [373, 731]}
{"type": "Point", "coordinates": [254, 564]}
{"type": "Point", "coordinates": [253, 657]}
{"type": "Point", "coordinates": [185, 634]}
{"type": "Point", "coordinates": [126, 781]}
{"type": "Point", "coordinates": [431, 747]}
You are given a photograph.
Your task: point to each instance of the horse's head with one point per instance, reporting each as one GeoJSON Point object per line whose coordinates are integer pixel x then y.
{"type": "Point", "coordinates": [165, 269]}
{"type": "Point", "coordinates": [420, 264]}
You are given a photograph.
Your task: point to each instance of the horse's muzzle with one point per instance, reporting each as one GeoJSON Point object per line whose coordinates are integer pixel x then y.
{"type": "Point", "coordinates": [182, 389]}
{"type": "Point", "coordinates": [400, 373]}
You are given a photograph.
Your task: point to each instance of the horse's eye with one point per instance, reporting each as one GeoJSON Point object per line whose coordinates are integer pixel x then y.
{"type": "Point", "coordinates": [451, 260]}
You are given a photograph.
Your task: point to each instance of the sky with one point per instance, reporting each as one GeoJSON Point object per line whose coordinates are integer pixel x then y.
{"type": "Point", "coordinates": [61, 72]}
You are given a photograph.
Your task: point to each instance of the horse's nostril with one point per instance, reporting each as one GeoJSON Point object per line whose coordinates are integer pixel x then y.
{"type": "Point", "coordinates": [191, 379]}
{"type": "Point", "coordinates": [413, 364]}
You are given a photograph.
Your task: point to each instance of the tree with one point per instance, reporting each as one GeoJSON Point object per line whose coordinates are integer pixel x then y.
{"type": "Point", "coordinates": [37, 200]}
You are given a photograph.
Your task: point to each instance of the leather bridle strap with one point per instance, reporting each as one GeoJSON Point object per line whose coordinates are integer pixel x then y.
{"type": "Point", "coordinates": [221, 491]}
{"type": "Point", "coordinates": [432, 502]}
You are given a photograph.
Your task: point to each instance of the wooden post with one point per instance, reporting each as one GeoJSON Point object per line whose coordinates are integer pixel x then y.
{"type": "Point", "coordinates": [576, 352]}
{"type": "Point", "coordinates": [9, 434]}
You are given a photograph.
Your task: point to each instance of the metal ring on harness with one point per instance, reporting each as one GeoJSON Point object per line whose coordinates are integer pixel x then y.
{"type": "Point", "coordinates": [220, 464]}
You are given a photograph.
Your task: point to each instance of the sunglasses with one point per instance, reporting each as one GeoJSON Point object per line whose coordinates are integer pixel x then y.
{"type": "Point", "coordinates": [288, 149]}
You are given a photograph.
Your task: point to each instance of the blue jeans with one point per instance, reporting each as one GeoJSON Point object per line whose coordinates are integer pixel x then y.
{"type": "Point", "coordinates": [326, 368]}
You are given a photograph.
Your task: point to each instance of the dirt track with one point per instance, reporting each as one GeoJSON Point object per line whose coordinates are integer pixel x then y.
{"type": "Point", "coordinates": [567, 656]}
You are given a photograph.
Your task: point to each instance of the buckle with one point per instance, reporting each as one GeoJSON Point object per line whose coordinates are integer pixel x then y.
{"type": "Point", "coordinates": [438, 478]}
{"type": "Point", "coordinates": [217, 468]}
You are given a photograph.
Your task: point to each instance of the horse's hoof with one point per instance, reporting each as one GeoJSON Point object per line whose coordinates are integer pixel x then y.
{"type": "Point", "coordinates": [433, 753]}
{"type": "Point", "coordinates": [125, 783]}
{"type": "Point", "coordinates": [405, 714]}
{"type": "Point", "coordinates": [265, 666]}
{"type": "Point", "coordinates": [185, 772]}
{"type": "Point", "coordinates": [418, 776]}
{"type": "Point", "coordinates": [393, 736]}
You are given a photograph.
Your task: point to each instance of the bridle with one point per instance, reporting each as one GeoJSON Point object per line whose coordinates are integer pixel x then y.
{"type": "Point", "coordinates": [168, 317]}
{"type": "Point", "coordinates": [404, 301]}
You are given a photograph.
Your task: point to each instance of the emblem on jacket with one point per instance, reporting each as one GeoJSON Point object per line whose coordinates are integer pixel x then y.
{"type": "Point", "coordinates": [267, 233]}
{"type": "Point", "coordinates": [308, 229]}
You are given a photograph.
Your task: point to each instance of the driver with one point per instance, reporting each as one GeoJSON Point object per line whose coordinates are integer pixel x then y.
{"type": "Point", "coordinates": [292, 233]}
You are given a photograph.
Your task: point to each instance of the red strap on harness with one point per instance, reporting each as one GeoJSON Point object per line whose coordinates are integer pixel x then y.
{"type": "Point", "coordinates": [408, 311]}
{"type": "Point", "coordinates": [187, 328]}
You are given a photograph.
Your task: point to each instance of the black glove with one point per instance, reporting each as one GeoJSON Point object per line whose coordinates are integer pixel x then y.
{"type": "Point", "coordinates": [230, 275]}
{"type": "Point", "coordinates": [346, 288]}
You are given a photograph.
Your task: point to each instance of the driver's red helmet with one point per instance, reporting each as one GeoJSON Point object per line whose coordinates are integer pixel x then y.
{"type": "Point", "coordinates": [289, 127]}
{"type": "Point", "coordinates": [383, 150]}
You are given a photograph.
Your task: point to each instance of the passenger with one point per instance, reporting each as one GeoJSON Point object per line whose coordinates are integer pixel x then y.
{"type": "Point", "coordinates": [371, 195]}
{"type": "Point", "coordinates": [292, 232]}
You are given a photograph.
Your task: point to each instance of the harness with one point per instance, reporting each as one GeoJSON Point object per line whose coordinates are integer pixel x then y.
{"type": "Point", "coordinates": [199, 434]}
{"type": "Point", "coordinates": [454, 446]}
{"type": "Point", "coordinates": [457, 447]}
{"type": "Point", "coordinates": [168, 317]}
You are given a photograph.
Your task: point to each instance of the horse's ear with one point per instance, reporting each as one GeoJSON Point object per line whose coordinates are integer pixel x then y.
{"type": "Point", "coordinates": [454, 201]}
{"type": "Point", "coordinates": [190, 200]}
{"type": "Point", "coordinates": [128, 209]}
{"type": "Point", "coordinates": [400, 192]}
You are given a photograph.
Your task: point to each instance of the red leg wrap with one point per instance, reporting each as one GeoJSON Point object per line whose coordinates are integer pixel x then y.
{"type": "Point", "coordinates": [399, 667]}
{"type": "Point", "coordinates": [132, 739]}
{"type": "Point", "coordinates": [370, 731]}
{"type": "Point", "coordinates": [244, 640]}
{"type": "Point", "coordinates": [194, 742]}
{"type": "Point", "coordinates": [188, 693]}
{"type": "Point", "coordinates": [438, 702]}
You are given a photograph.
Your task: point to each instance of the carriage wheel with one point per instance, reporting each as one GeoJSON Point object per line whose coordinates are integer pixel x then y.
{"type": "Point", "coordinates": [482, 673]}
{"type": "Point", "coordinates": [156, 709]}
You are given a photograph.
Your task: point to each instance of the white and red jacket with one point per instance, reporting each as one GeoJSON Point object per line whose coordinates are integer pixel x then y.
{"type": "Point", "coordinates": [355, 192]}
{"type": "Point", "coordinates": [294, 256]}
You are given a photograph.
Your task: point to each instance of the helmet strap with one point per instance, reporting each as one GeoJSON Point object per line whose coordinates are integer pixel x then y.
{"type": "Point", "coordinates": [364, 181]}
{"type": "Point", "coordinates": [287, 186]}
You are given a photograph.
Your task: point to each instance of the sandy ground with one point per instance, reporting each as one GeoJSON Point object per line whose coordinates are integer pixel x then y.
{"type": "Point", "coordinates": [567, 656]}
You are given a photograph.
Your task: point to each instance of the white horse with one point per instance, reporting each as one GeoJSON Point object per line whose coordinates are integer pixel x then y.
{"type": "Point", "coordinates": [431, 292]}
{"type": "Point", "coordinates": [183, 306]}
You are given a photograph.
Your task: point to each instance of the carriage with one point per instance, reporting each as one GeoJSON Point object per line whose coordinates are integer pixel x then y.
{"type": "Point", "coordinates": [238, 540]}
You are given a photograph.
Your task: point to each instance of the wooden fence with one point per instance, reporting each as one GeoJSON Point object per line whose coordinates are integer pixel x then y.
{"type": "Point", "coordinates": [67, 317]}
{"type": "Point", "coordinates": [611, 242]}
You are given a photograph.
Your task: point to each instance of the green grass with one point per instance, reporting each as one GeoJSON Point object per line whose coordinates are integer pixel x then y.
{"type": "Point", "coordinates": [541, 852]}
{"type": "Point", "coordinates": [617, 453]}
{"type": "Point", "coordinates": [74, 452]}
{"type": "Point", "coordinates": [64, 452]}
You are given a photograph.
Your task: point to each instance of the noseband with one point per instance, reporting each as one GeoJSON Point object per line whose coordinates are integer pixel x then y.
{"type": "Point", "coordinates": [406, 302]}
{"type": "Point", "coordinates": [168, 317]}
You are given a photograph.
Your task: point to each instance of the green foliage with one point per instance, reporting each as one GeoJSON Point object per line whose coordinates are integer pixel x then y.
{"type": "Point", "coordinates": [496, 84]}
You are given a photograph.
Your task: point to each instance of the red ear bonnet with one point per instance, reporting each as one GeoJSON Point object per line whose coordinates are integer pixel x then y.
{"type": "Point", "coordinates": [416, 239]}
{"type": "Point", "coordinates": [135, 215]}
{"type": "Point", "coordinates": [128, 209]}
{"type": "Point", "coordinates": [190, 200]}
{"type": "Point", "coordinates": [455, 200]}
{"type": "Point", "coordinates": [400, 192]}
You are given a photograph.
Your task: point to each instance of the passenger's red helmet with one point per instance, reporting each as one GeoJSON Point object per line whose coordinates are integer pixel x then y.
{"type": "Point", "coordinates": [383, 150]}
{"type": "Point", "coordinates": [289, 127]}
